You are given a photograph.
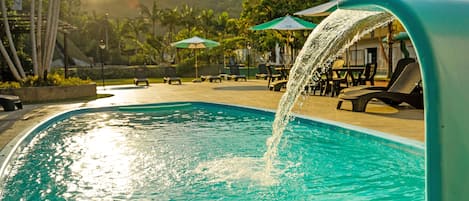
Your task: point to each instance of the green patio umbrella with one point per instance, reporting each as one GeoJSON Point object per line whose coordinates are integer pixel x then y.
{"type": "Point", "coordinates": [288, 23]}
{"type": "Point", "coordinates": [285, 23]}
{"type": "Point", "coordinates": [195, 43]}
{"type": "Point", "coordinates": [320, 10]}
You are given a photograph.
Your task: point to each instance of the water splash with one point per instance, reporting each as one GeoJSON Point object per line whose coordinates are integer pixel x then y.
{"type": "Point", "coordinates": [327, 41]}
{"type": "Point", "coordinates": [237, 169]}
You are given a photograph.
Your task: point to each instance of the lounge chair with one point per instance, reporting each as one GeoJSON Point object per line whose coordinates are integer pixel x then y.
{"type": "Point", "coordinates": [170, 76]}
{"type": "Point", "coordinates": [333, 81]}
{"type": "Point", "coordinates": [272, 78]}
{"type": "Point", "coordinates": [277, 85]}
{"type": "Point", "coordinates": [263, 73]}
{"type": "Point", "coordinates": [406, 88]}
{"type": "Point", "coordinates": [234, 73]}
{"type": "Point", "coordinates": [317, 83]}
{"type": "Point", "coordinates": [211, 78]}
{"type": "Point", "coordinates": [9, 102]}
{"type": "Point", "coordinates": [368, 75]}
{"type": "Point", "coordinates": [401, 64]}
{"type": "Point", "coordinates": [141, 75]}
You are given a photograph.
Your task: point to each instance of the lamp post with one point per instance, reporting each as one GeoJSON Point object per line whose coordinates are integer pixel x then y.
{"type": "Point", "coordinates": [249, 54]}
{"type": "Point", "coordinates": [102, 46]}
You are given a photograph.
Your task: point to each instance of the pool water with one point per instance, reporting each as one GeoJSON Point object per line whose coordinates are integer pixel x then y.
{"type": "Point", "coordinates": [201, 151]}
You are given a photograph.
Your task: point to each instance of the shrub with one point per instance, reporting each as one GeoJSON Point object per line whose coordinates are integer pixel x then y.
{"type": "Point", "coordinates": [9, 85]}
{"type": "Point", "coordinates": [52, 80]}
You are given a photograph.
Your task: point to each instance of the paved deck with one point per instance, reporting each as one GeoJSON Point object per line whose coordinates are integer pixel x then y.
{"type": "Point", "coordinates": [405, 122]}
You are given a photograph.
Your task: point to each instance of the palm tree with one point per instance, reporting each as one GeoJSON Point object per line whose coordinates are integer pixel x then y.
{"type": "Point", "coordinates": [153, 14]}
{"type": "Point", "coordinates": [187, 17]}
{"type": "Point", "coordinates": [169, 19]}
{"type": "Point", "coordinates": [10, 64]}
{"type": "Point", "coordinates": [17, 64]}
{"type": "Point", "coordinates": [51, 33]}
{"type": "Point", "coordinates": [39, 40]}
{"type": "Point", "coordinates": [206, 19]}
{"type": "Point", "coordinates": [119, 29]}
{"type": "Point", "coordinates": [33, 37]}
{"type": "Point", "coordinates": [137, 27]}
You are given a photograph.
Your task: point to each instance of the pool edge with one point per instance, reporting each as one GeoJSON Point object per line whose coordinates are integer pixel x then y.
{"type": "Point", "coordinates": [7, 153]}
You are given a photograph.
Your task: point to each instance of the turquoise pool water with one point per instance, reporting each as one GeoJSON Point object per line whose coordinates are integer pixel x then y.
{"type": "Point", "coordinates": [201, 151]}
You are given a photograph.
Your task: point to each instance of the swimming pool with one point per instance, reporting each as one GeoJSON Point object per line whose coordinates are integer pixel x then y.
{"type": "Point", "coordinates": [204, 151]}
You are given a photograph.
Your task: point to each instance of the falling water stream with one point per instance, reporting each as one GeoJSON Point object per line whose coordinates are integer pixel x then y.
{"type": "Point", "coordinates": [328, 40]}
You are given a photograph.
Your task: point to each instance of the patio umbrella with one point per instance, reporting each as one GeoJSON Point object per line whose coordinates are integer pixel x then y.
{"type": "Point", "coordinates": [321, 10]}
{"type": "Point", "coordinates": [195, 43]}
{"type": "Point", "coordinates": [287, 22]}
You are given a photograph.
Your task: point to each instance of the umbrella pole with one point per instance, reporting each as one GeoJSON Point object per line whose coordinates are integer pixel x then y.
{"type": "Point", "coordinates": [196, 69]}
{"type": "Point", "coordinates": [290, 46]}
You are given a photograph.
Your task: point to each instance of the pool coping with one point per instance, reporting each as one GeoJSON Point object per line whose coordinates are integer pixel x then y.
{"type": "Point", "coordinates": [7, 153]}
{"type": "Point", "coordinates": [378, 134]}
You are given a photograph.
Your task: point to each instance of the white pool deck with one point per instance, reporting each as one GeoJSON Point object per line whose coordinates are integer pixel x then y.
{"type": "Point", "coordinates": [404, 122]}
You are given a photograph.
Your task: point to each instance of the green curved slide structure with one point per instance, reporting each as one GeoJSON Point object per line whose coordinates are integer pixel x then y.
{"type": "Point", "coordinates": [439, 30]}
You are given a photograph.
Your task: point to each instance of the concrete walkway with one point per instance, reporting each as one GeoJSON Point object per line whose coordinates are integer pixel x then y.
{"type": "Point", "coordinates": [405, 122]}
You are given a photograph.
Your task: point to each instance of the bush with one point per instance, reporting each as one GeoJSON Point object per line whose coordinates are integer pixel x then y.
{"type": "Point", "coordinates": [9, 85]}
{"type": "Point", "coordinates": [52, 80]}
{"type": "Point", "coordinates": [115, 72]}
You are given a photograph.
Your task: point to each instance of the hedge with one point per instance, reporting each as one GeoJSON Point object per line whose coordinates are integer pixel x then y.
{"type": "Point", "coordinates": [123, 72]}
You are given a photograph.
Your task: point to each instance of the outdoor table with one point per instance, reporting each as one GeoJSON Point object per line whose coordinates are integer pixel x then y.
{"type": "Point", "coordinates": [354, 72]}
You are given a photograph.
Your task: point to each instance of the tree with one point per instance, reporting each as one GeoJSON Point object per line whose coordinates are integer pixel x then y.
{"type": "Point", "coordinates": [119, 30]}
{"type": "Point", "coordinates": [33, 37]}
{"type": "Point", "coordinates": [206, 19]}
{"type": "Point", "coordinates": [51, 35]}
{"type": "Point", "coordinates": [16, 67]}
{"type": "Point", "coordinates": [41, 55]}
{"type": "Point", "coordinates": [169, 19]}
{"type": "Point", "coordinates": [154, 15]}
{"type": "Point", "coordinates": [188, 17]}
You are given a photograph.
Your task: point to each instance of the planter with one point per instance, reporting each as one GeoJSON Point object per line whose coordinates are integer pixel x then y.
{"type": "Point", "coordinates": [54, 93]}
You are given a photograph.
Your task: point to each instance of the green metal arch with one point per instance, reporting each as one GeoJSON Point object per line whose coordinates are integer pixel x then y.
{"type": "Point", "coordinates": [439, 30]}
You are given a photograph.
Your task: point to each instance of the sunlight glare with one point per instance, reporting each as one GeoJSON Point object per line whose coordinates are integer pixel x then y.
{"type": "Point", "coordinates": [104, 164]}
